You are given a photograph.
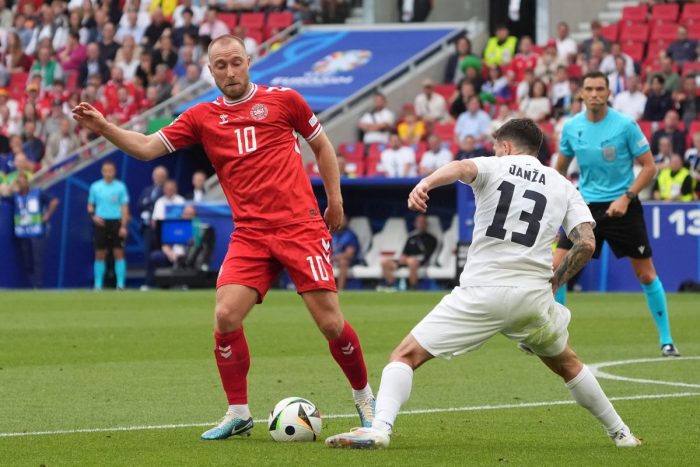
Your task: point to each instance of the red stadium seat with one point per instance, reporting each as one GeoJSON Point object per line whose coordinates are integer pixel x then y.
{"type": "Point", "coordinates": [256, 34]}
{"type": "Point", "coordinates": [694, 30]}
{"type": "Point", "coordinates": [419, 149]}
{"type": "Point", "coordinates": [547, 128]}
{"type": "Point", "coordinates": [446, 90]}
{"type": "Point", "coordinates": [352, 150]}
{"type": "Point", "coordinates": [610, 32]}
{"type": "Point", "coordinates": [252, 20]}
{"type": "Point", "coordinates": [355, 168]}
{"type": "Point", "coordinates": [654, 48]}
{"type": "Point", "coordinates": [634, 49]}
{"type": "Point", "coordinates": [18, 83]}
{"type": "Point", "coordinates": [231, 19]}
{"type": "Point", "coordinates": [665, 12]}
{"type": "Point", "coordinates": [691, 67]}
{"type": "Point", "coordinates": [690, 11]}
{"type": "Point", "coordinates": [635, 13]}
{"type": "Point", "coordinates": [647, 128]}
{"type": "Point", "coordinates": [444, 131]}
{"type": "Point", "coordinates": [280, 19]}
{"type": "Point", "coordinates": [665, 31]}
{"type": "Point", "coordinates": [638, 32]}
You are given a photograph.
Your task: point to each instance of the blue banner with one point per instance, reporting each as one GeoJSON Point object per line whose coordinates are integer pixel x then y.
{"type": "Point", "coordinates": [327, 67]}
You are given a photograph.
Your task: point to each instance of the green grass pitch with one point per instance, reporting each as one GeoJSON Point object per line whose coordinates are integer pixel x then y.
{"type": "Point", "coordinates": [71, 362]}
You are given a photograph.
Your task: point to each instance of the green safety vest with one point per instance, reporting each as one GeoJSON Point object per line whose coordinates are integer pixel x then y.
{"type": "Point", "coordinates": [668, 181]}
{"type": "Point", "coordinates": [497, 54]}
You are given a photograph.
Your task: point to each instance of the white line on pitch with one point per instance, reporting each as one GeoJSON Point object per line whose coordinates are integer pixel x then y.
{"type": "Point", "coordinates": [596, 369]}
{"type": "Point", "coordinates": [523, 405]}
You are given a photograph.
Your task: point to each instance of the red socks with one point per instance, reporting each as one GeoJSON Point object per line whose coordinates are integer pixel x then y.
{"type": "Point", "coordinates": [233, 361]}
{"type": "Point", "coordinates": [347, 352]}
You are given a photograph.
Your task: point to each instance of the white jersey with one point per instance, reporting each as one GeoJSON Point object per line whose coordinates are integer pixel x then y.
{"type": "Point", "coordinates": [520, 205]}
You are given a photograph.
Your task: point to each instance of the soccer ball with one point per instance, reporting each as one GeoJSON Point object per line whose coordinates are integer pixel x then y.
{"type": "Point", "coordinates": [294, 419]}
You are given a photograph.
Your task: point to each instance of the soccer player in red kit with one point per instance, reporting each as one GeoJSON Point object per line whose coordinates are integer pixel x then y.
{"type": "Point", "coordinates": [249, 134]}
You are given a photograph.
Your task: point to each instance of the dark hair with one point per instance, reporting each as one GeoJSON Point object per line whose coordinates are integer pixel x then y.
{"type": "Point", "coordinates": [523, 133]}
{"type": "Point", "coordinates": [659, 78]}
{"type": "Point", "coordinates": [595, 75]}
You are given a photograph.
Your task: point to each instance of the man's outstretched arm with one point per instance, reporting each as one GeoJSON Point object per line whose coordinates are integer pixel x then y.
{"type": "Point", "coordinates": [138, 145]}
{"type": "Point", "coordinates": [464, 171]}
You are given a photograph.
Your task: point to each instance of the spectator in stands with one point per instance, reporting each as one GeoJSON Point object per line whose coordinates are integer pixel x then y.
{"type": "Point", "coordinates": [185, 58]}
{"type": "Point", "coordinates": [453, 69]}
{"type": "Point", "coordinates": [474, 122]}
{"type": "Point", "coordinates": [128, 57]}
{"type": "Point", "coordinates": [608, 63]}
{"type": "Point", "coordinates": [146, 202]}
{"type": "Point", "coordinates": [692, 162]}
{"type": "Point", "coordinates": [93, 65]}
{"type": "Point", "coordinates": [145, 69]}
{"type": "Point", "coordinates": [683, 49]}
{"type": "Point", "coordinates": [560, 87]}
{"type": "Point", "coordinates": [304, 10]}
{"type": "Point", "coordinates": [167, 6]}
{"type": "Point", "coordinates": [618, 78]}
{"type": "Point", "coordinates": [52, 28]}
{"type": "Point", "coordinates": [596, 36]}
{"type": "Point", "coordinates": [238, 6]}
{"type": "Point", "coordinates": [688, 101]}
{"type": "Point", "coordinates": [47, 67]}
{"type": "Point", "coordinates": [435, 157]}
{"type": "Point", "coordinates": [33, 210]}
{"type": "Point", "coordinates": [108, 47]}
{"type": "Point", "coordinates": [411, 130]}
{"type": "Point", "coordinates": [199, 180]}
{"type": "Point", "coordinates": [397, 160]}
{"type": "Point", "coordinates": [671, 131]}
{"type": "Point", "coordinates": [20, 165]}
{"type": "Point", "coordinates": [659, 100]}
{"type": "Point", "coordinates": [23, 27]}
{"type": "Point", "coordinates": [537, 106]}
{"type": "Point", "coordinates": [548, 63]}
{"type": "Point", "coordinates": [251, 45]}
{"type": "Point", "coordinates": [187, 25]}
{"type": "Point", "coordinates": [376, 124]}
{"type": "Point", "coordinates": [567, 104]}
{"type": "Point", "coordinates": [130, 27]}
{"type": "Point", "coordinates": [161, 82]}
{"type": "Point", "coordinates": [212, 26]}
{"type": "Point", "coordinates": [662, 158]}
{"type": "Point", "coordinates": [522, 90]}
{"type": "Point", "coordinates": [123, 109]}
{"type": "Point", "coordinates": [33, 147]}
{"type": "Point", "coordinates": [632, 101]}
{"type": "Point", "coordinates": [417, 251]}
{"type": "Point", "coordinates": [672, 80]}
{"type": "Point", "coordinates": [465, 91]}
{"type": "Point", "coordinates": [5, 16]}
{"type": "Point", "coordinates": [192, 73]}
{"type": "Point", "coordinates": [346, 252]}
{"type": "Point", "coordinates": [73, 54]}
{"type": "Point", "coordinates": [526, 59]}
{"type": "Point", "coordinates": [504, 114]}
{"type": "Point", "coordinates": [468, 149]}
{"type": "Point", "coordinates": [430, 106]}
{"type": "Point", "coordinates": [61, 144]}
{"type": "Point", "coordinates": [15, 58]}
{"type": "Point", "coordinates": [164, 52]}
{"type": "Point", "coordinates": [185, 7]}
{"type": "Point", "coordinates": [674, 183]}
{"type": "Point", "coordinates": [496, 87]}
{"type": "Point", "coordinates": [566, 45]}
{"type": "Point", "coordinates": [156, 28]}
{"type": "Point", "coordinates": [500, 49]}
{"type": "Point", "coordinates": [170, 197]}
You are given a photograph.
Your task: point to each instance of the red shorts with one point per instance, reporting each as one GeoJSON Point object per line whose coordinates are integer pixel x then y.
{"type": "Point", "coordinates": [256, 257]}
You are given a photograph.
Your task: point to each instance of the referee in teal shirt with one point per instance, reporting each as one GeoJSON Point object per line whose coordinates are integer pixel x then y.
{"type": "Point", "coordinates": [606, 144]}
{"type": "Point", "coordinates": [108, 207]}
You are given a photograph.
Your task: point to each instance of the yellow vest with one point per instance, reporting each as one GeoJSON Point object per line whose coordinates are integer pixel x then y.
{"type": "Point", "coordinates": [495, 54]}
{"type": "Point", "coordinates": [669, 184]}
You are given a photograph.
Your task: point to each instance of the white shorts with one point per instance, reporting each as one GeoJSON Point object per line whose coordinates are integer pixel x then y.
{"type": "Point", "coordinates": [469, 316]}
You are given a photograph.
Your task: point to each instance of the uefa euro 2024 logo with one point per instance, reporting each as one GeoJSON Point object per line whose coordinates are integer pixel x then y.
{"type": "Point", "coordinates": [333, 69]}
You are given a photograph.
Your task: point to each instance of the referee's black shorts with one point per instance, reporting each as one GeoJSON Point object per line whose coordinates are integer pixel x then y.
{"type": "Point", "coordinates": [626, 235]}
{"type": "Point", "coordinates": [107, 236]}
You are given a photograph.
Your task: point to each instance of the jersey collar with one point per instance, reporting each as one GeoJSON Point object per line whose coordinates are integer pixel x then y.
{"type": "Point", "coordinates": [246, 97]}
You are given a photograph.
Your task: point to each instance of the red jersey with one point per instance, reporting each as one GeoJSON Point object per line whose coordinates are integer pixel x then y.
{"type": "Point", "coordinates": [252, 144]}
{"type": "Point", "coordinates": [522, 63]}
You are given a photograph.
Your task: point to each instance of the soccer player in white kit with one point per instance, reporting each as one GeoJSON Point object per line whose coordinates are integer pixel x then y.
{"type": "Point", "coordinates": [507, 283]}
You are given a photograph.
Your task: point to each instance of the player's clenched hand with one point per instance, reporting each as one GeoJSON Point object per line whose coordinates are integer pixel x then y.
{"type": "Point", "coordinates": [418, 198]}
{"type": "Point", "coordinates": [618, 208]}
{"type": "Point", "coordinates": [89, 117]}
{"type": "Point", "coordinates": [333, 217]}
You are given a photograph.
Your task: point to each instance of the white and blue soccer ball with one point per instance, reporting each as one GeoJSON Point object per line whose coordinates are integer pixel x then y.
{"type": "Point", "coordinates": [294, 419]}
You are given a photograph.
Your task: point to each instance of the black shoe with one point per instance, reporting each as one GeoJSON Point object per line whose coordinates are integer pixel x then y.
{"type": "Point", "coordinates": [669, 350]}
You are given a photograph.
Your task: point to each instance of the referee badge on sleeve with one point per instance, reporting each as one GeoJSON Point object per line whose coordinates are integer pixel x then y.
{"type": "Point", "coordinates": [609, 153]}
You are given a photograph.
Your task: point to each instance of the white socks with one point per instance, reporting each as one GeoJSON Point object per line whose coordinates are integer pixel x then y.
{"type": "Point", "coordinates": [394, 391]}
{"type": "Point", "coordinates": [241, 411]}
{"type": "Point", "coordinates": [362, 394]}
{"type": "Point", "coordinates": [587, 392]}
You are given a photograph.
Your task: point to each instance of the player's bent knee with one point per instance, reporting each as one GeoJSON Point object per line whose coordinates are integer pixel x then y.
{"type": "Point", "coordinates": [331, 327]}
{"type": "Point", "coordinates": [410, 352]}
{"type": "Point", "coordinates": [226, 318]}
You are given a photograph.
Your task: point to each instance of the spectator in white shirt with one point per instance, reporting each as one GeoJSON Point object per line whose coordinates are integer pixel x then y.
{"type": "Point", "coordinates": [537, 105]}
{"type": "Point", "coordinates": [130, 27]}
{"type": "Point", "coordinates": [618, 78]}
{"type": "Point", "coordinates": [430, 106]}
{"type": "Point", "coordinates": [435, 157]}
{"type": "Point", "coordinates": [607, 62]}
{"type": "Point", "coordinates": [169, 197]}
{"type": "Point", "coordinates": [398, 161]}
{"type": "Point", "coordinates": [566, 46]}
{"type": "Point", "coordinates": [197, 13]}
{"type": "Point", "coordinates": [632, 101]}
{"type": "Point", "coordinates": [504, 114]}
{"type": "Point", "coordinates": [199, 179]}
{"type": "Point", "coordinates": [561, 87]}
{"type": "Point", "coordinates": [474, 122]}
{"type": "Point", "coordinates": [377, 123]}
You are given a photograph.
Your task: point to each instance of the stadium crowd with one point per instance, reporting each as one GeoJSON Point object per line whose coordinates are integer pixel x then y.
{"type": "Point", "coordinates": [652, 60]}
{"type": "Point", "coordinates": [122, 56]}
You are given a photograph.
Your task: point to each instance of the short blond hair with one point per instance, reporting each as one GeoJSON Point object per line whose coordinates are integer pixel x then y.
{"type": "Point", "coordinates": [226, 38]}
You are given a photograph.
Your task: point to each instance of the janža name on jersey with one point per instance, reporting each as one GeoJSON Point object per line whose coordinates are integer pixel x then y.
{"type": "Point", "coordinates": [529, 175]}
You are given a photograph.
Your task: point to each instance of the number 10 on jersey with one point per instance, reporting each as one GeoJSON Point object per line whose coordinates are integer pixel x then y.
{"type": "Point", "coordinates": [246, 140]}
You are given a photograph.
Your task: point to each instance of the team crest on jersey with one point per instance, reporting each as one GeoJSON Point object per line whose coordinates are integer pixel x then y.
{"type": "Point", "coordinates": [224, 119]}
{"type": "Point", "coordinates": [258, 112]}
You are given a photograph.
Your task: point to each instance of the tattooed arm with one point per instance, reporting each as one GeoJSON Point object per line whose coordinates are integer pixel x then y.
{"type": "Point", "coordinates": [577, 257]}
